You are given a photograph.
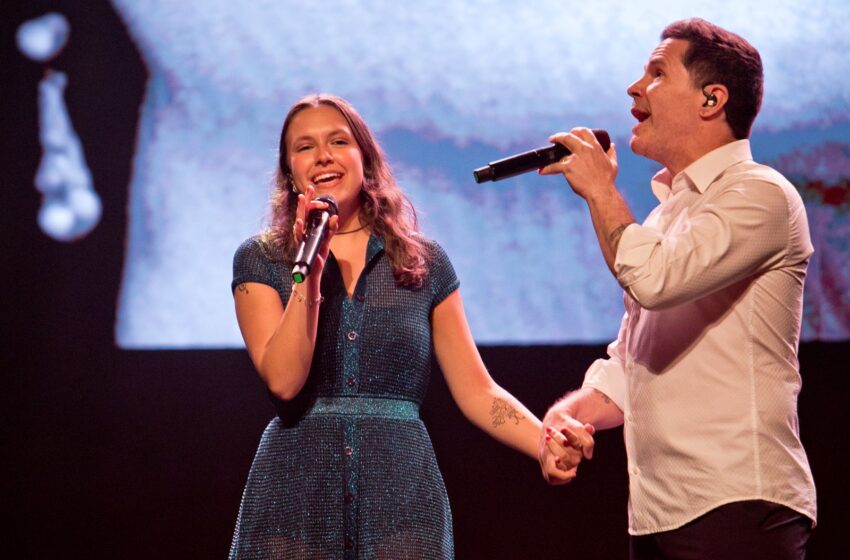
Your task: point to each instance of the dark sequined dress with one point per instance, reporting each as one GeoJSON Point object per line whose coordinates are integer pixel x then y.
{"type": "Point", "coordinates": [346, 469]}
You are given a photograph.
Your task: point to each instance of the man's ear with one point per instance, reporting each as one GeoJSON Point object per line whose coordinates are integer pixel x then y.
{"type": "Point", "coordinates": [716, 96]}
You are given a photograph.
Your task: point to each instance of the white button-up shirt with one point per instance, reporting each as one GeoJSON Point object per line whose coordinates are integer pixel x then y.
{"type": "Point", "coordinates": [705, 365]}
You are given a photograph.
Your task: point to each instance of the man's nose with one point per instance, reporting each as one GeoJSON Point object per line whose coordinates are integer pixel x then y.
{"type": "Point", "coordinates": [634, 90]}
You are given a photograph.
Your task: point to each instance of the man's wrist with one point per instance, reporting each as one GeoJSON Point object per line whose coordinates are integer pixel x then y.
{"type": "Point", "coordinates": [603, 196]}
{"type": "Point", "coordinates": [561, 410]}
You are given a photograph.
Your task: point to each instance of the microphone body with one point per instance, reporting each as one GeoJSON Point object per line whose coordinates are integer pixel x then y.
{"type": "Point", "coordinates": [317, 230]}
{"type": "Point", "coordinates": [530, 160]}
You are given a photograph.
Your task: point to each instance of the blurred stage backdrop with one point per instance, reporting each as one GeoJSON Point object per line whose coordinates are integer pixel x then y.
{"type": "Point", "coordinates": [140, 140]}
{"type": "Point", "coordinates": [448, 86]}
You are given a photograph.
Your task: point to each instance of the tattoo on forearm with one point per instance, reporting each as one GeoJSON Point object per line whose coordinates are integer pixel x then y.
{"type": "Point", "coordinates": [603, 396]}
{"type": "Point", "coordinates": [614, 236]}
{"type": "Point", "coordinates": [502, 411]}
{"type": "Point", "coordinates": [242, 288]}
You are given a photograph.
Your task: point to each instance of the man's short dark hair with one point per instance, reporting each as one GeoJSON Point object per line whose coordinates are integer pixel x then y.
{"type": "Point", "coordinates": [717, 56]}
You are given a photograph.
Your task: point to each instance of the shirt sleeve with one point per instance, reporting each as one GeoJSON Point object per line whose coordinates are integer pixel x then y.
{"type": "Point", "coordinates": [442, 276]}
{"type": "Point", "coordinates": [251, 264]}
{"type": "Point", "coordinates": [742, 231]}
{"type": "Point", "coordinates": [609, 375]}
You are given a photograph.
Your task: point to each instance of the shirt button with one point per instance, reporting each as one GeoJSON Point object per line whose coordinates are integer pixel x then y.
{"type": "Point", "coordinates": [349, 498]}
{"type": "Point", "coordinates": [351, 382]}
{"type": "Point", "coordinates": [347, 450]}
{"type": "Point", "coordinates": [352, 335]}
{"type": "Point", "coordinates": [349, 544]}
{"type": "Point", "coordinates": [359, 297]}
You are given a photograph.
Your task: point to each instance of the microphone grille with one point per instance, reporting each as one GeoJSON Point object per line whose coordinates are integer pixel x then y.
{"type": "Point", "coordinates": [603, 138]}
{"type": "Point", "coordinates": [330, 200]}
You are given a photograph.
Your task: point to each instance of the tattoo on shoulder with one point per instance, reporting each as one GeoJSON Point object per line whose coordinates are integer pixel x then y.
{"type": "Point", "coordinates": [603, 396]}
{"type": "Point", "coordinates": [614, 236]}
{"type": "Point", "coordinates": [502, 411]}
{"type": "Point", "coordinates": [242, 288]}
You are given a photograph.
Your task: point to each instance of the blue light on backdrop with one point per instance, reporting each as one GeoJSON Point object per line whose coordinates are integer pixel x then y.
{"type": "Point", "coordinates": [449, 86]}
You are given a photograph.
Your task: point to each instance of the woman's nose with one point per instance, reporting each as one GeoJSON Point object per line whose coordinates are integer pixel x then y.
{"type": "Point", "coordinates": [324, 154]}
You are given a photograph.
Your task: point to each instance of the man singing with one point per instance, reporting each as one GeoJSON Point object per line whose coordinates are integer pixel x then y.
{"type": "Point", "coordinates": [704, 374]}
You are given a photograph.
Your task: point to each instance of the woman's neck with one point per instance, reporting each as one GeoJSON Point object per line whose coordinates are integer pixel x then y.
{"type": "Point", "coordinates": [349, 221]}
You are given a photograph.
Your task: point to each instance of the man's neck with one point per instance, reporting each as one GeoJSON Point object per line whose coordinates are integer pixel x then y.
{"type": "Point", "coordinates": [704, 142]}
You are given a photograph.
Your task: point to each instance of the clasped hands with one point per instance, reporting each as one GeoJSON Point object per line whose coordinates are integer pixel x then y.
{"type": "Point", "coordinates": [564, 443]}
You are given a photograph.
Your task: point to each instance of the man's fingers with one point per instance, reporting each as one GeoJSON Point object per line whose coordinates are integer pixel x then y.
{"type": "Point", "coordinates": [567, 139]}
{"type": "Point", "coordinates": [585, 134]}
{"type": "Point", "coordinates": [556, 168]}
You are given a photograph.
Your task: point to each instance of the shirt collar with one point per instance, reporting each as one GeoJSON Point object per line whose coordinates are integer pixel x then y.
{"type": "Point", "coordinates": [704, 171]}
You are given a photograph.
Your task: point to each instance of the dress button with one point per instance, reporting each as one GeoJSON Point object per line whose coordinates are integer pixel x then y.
{"type": "Point", "coordinates": [348, 450]}
{"type": "Point", "coordinates": [349, 498]}
{"type": "Point", "coordinates": [351, 382]}
{"type": "Point", "coordinates": [359, 297]}
{"type": "Point", "coordinates": [352, 335]}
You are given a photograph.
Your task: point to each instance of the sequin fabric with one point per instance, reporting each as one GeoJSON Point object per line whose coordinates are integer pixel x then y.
{"type": "Point", "coordinates": [346, 470]}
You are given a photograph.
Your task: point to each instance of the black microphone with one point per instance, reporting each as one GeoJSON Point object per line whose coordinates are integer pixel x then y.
{"type": "Point", "coordinates": [531, 160]}
{"type": "Point", "coordinates": [317, 229]}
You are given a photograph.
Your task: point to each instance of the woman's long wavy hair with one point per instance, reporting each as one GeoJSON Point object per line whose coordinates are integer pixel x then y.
{"type": "Point", "coordinates": [384, 208]}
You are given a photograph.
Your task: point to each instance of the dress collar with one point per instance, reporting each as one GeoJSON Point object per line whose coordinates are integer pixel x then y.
{"type": "Point", "coordinates": [374, 247]}
{"type": "Point", "coordinates": [332, 278]}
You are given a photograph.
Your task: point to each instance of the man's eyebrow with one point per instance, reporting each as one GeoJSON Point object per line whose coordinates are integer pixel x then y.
{"type": "Point", "coordinates": [656, 62]}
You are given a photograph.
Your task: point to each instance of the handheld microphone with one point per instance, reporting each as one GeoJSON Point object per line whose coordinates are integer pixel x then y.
{"type": "Point", "coordinates": [317, 230]}
{"type": "Point", "coordinates": [531, 160]}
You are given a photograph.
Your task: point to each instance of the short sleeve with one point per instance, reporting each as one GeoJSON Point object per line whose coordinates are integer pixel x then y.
{"type": "Point", "coordinates": [252, 264]}
{"type": "Point", "coordinates": [442, 277]}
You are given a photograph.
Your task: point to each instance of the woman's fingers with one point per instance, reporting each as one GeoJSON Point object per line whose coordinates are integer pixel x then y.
{"type": "Point", "coordinates": [582, 442]}
{"type": "Point", "coordinates": [566, 456]}
{"type": "Point", "coordinates": [554, 473]}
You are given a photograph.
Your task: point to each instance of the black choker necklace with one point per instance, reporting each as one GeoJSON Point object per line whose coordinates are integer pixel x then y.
{"type": "Point", "coordinates": [351, 230]}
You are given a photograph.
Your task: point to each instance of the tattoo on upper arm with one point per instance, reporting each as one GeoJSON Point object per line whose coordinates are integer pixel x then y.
{"type": "Point", "coordinates": [614, 236]}
{"type": "Point", "coordinates": [603, 396]}
{"type": "Point", "coordinates": [502, 411]}
{"type": "Point", "coordinates": [243, 288]}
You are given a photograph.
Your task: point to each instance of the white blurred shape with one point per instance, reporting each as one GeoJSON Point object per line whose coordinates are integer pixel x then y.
{"type": "Point", "coordinates": [43, 38]}
{"type": "Point", "coordinates": [56, 219]}
{"type": "Point", "coordinates": [71, 208]}
{"type": "Point", "coordinates": [86, 206]}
